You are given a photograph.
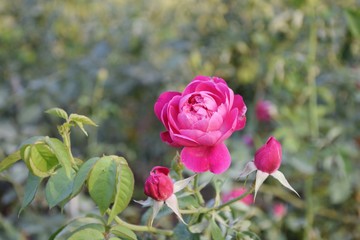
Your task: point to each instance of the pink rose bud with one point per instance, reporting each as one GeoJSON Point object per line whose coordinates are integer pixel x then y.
{"type": "Point", "coordinates": [279, 210]}
{"type": "Point", "coordinates": [159, 185]}
{"type": "Point", "coordinates": [265, 110]}
{"type": "Point", "coordinates": [268, 157]}
{"type": "Point", "coordinates": [236, 193]}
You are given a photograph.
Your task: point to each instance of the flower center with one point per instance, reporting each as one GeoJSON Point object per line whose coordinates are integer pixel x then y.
{"type": "Point", "coordinates": [199, 106]}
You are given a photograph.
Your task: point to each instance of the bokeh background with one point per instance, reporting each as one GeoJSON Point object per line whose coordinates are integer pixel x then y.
{"type": "Point", "coordinates": [111, 59]}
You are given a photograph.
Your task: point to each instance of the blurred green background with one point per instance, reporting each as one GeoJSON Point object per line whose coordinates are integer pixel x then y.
{"type": "Point", "coordinates": [111, 59]}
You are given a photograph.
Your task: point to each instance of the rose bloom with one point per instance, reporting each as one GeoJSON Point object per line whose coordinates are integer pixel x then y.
{"type": "Point", "coordinates": [199, 119]}
{"type": "Point", "coordinates": [236, 193]}
{"type": "Point", "coordinates": [265, 110]}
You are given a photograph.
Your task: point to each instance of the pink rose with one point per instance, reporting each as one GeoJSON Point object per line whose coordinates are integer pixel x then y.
{"type": "Point", "coordinates": [200, 118]}
{"type": "Point", "coordinates": [158, 185]}
{"type": "Point", "coordinates": [236, 193]}
{"type": "Point", "coordinates": [265, 110]}
{"type": "Point", "coordinates": [268, 157]}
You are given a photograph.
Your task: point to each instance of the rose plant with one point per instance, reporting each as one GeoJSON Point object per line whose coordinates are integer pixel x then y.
{"type": "Point", "coordinates": [199, 120]}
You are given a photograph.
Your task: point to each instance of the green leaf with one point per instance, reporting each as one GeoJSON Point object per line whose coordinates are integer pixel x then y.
{"type": "Point", "coordinates": [101, 183]}
{"type": "Point", "coordinates": [59, 187]}
{"type": "Point", "coordinates": [58, 112]}
{"type": "Point", "coordinates": [31, 187]}
{"type": "Point", "coordinates": [81, 119]}
{"type": "Point", "coordinates": [75, 225]}
{"type": "Point", "coordinates": [123, 232]}
{"type": "Point", "coordinates": [86, 234]}
{"type": "Point", "coordinates": [42, 160]}
{"type": "Point", "coordinates": [215, 231]}
{"type": "Point", "coordinates": [249, 234]}
{"type": "Point", "coordinates": [83, 174]}
{"type": "Point", "coordinates": [61, 153]}
{"type": "Point", "coordinates": [353, 20]}
{"type": "Point", "coordinates": [10, 160]}
{"type": "Point", "coordinates": [124, 190]}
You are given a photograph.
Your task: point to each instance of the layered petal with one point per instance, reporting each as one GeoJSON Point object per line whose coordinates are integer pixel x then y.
{"type": "Point", "coordinates": [163, 99]}
{"type": "Point", "coordinates": [217, 158]}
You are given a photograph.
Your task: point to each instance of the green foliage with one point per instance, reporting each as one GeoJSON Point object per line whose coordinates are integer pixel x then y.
{"type": "Point", "coordinates": [59, 187]}
{"type": "Point", "coordinates": [123, 233]}
{"type": "Point", "coordinates": [110, 61]}
{"type": "Point", "coordinates": [101, 183]}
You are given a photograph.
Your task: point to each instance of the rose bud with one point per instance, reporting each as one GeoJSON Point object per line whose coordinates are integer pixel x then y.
{"type": "Point", "coordinates": [160, 189]}
{"type": "Point", "coordinates": [265, 111]}
{"type": "Point", "coordinates": [159, 185]}
{"type": "Point", "coordinates": [267, 162]}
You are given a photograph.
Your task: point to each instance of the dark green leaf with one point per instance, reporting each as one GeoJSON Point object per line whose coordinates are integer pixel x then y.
{"type": "Point", "coordinates": [31, 187]}
{"type": "Point", "coordinates": [10, 160]}
{"type": "Point", "coordinates": [353, 21]}
{"type": "Point", "coordinates": [59, 187]}
{"type": "Point", "coordinates": [123, 232]}
{"type": "Point", "coordinates": [58, 112]}
{"type": "Point", "coordinates": [83, 174]}
{"type": "Point", "coordinates": [102, 183]}
{"type": "Point", "coordinates": [124, 190]}
{"type": "Point", "coordinates": [61, 153]}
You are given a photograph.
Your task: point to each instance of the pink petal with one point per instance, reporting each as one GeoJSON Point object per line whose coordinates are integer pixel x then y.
{"type": "Point", "coordinates": [217, 159]}
{"type": "Point", "coordinates": [240, 105]}
{"type": "Point", "coordinates": [163, 99]}
{"type": "Point", "coordinates": [182, 140]}
{"type": "Point", "coordinates": [215, 122]}
{"type": "Point", "coordinates": [165, 137]}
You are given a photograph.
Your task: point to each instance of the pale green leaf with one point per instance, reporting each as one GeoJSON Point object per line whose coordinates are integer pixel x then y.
{"type": "Point", "coordinates": [75, 225]}
{"type": "Point", "coordinates": [124, 190]}
{"type": "Point", "coordinates": [61, 153]}
{"type": "Point", "coordinates": [10, 160]}
{"type": "Point", "coordinates": [102, 182]}
{"type": "Point", "coordinates": [59, 187]}
{"type": "Point", "coordinates": [31, 187]}
{"type": "Point", "coordinates": [76, 118]}
{"type": "Point", "coordinates": [83, 174]}
{"type": "Point", "coordinates": [58, 112]}
{"type": "Point", "coordinates": [86, 234]}
{"type": "Point", "coordinates": [123, 232]}
{"type": "Point", "coordinates": [42, 160]}
{"type": "Point", "coordinates": [215, 231]}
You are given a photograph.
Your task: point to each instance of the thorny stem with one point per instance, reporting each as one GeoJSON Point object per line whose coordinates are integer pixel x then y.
{"type": "Point", "coordinates": [141, 228]}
